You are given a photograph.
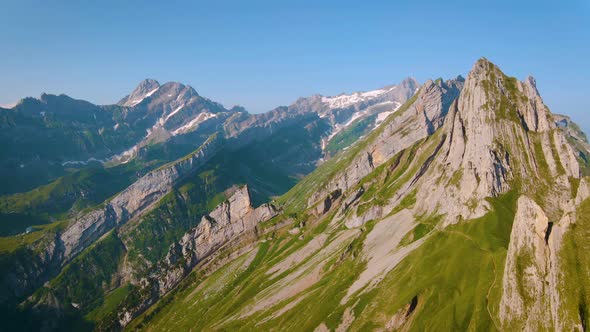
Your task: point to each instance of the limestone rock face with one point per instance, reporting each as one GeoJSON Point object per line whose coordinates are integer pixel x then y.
{"type": "Point", "coordinates": [231, 220]}
{"type": "Point", "coordinates": [145, 88]}
{"type": "Point", "coordinates": [533, 278]}
{"type": "Point", "coordinates": [583, 191]}
{"type": "Point", "coordinates": [575, 135]}
{"type": "Point", "coordinates": [534, 112]}
{"type": "Point", "coordinates": [130, 202]}
{"type": "Point", "coordinates": [489, 136]}
{"type": "Point", "coordinates": [86, 229]}
{"type": "Point", "coordinates": [415, 122]}
{"type": "Point", "coordinates": [526, 270]}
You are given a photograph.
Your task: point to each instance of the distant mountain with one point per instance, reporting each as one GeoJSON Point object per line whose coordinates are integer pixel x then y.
{"type": "Point", "coordinates": [145, 89]}
{"type": "Point", "coordinates": [42, 137]}
{"type": "Point", "coordinates": [48, 136]}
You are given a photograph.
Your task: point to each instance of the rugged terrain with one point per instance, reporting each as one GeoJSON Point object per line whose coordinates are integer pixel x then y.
{"type": "Point", "coordinates": [455, 205]}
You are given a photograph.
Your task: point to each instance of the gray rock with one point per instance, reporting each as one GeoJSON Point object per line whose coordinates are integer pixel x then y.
{"type": "Point", "coordinates": [420, 120]}
{"type": "Point", "coordinates": [229, 222]}
{"type": "Point", "coordinates": [132, 201]}
{"type": "Point", "coordinates": [144, 89]}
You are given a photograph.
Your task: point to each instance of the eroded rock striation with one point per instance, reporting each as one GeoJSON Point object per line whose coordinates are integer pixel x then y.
{"type": "Point", "coordinates": [131, 201]}
{"type": "Point", "coordinates": [230, 222]}
{"type": "Point", "coordinates": [86, 229]}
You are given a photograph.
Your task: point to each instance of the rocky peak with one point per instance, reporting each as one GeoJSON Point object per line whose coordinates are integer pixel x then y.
{"type": "Point", "coordinates": [145, 86]}
{"type": "Point", "coordinates": [144, 89]}
{"type": "Point", "coordinates": [531, 81]}
{"type": "Point", "coordinates": [498, 137]}
{"type": "Point", "coordinates": [409, 85]}
{"type": "Point", "coordinates": [481, 68]}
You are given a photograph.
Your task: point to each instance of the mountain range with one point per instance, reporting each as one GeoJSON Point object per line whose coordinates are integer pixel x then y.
{"type": "Point", "coordinates": [457, 204]}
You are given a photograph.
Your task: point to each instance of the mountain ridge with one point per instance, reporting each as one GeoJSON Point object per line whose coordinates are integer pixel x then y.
{"type": "Point", "coordinates": [463, 208]}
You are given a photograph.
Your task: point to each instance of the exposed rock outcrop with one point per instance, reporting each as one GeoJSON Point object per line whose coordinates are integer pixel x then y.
{"type": "Point", "coordinates": [527, 288]}
{"type": "Point", "coordinates": [416, 120]}
{"type": "Point", "coordinates": [229, 223]}
{"type": "Point", "coordinates": [54, 253]}
{"type": "Point", "coordinates": [491, 134]}
{"type": "Point", "coordinates": [402, 316]}
{"type": "Point", "coordinates": [132, 201]}
{"type": "Point", "coordinates": [532, 280]}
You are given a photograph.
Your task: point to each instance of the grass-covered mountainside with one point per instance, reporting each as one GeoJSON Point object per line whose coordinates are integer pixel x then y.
{"type": "Point", "coordinates": [404, 269]}
{"type": "Point", "coordinates": [40, 136]}
{"type": "Point", "coordinates": [465, 209]}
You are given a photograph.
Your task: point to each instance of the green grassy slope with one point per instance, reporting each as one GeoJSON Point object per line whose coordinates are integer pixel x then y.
{"type": "Point", "coordinates": [350, 135]}
{"type": "Point", "coordinates": [456, 275]}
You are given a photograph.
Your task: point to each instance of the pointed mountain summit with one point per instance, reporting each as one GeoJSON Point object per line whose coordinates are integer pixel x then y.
{"type": "Point", "coordinates": [144, 89]}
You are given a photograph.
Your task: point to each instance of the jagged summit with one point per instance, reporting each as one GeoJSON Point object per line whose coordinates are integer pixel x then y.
{"type": "Point", "coordinates": [144, 89]}
{"type": "Point", "coordinates": [409, 83]}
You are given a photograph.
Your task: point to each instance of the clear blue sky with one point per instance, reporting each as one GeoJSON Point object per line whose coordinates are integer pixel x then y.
{"type": "Point", "coordinates": [261, 54]}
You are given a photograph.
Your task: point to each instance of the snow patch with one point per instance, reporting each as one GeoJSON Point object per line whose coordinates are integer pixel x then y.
{"type": "Point", "coordinates": [151, 92]}
{"type": "Point", "coordinates": [194, 122]}
{"type": "Point", "coordinates": [383, 115]}
{"type": "Point", "coordinates": [82, 162]}
{"type": "Point", "coordinates": [345, 100]}
{"type": "Point", "coordinates": [380, 118]}
{"type": "Point", "coordinates": [137, 101]}
{"type": "Point", "coordinates": [173, 112]}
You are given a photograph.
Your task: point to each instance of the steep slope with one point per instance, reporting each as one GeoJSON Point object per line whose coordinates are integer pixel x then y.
{"type": "Point", "coordinates": [43, 137]}
{"type": "Point", "coordinates": [167, 111]}
{"type": "Point", "coordinates": [130, 219]}
{"type": "Point", "coordinates": [456, 224]}
{"type": "Point", "coordinates": [143, 90]}
{"type": "Point", "coordinates": [48, 137]}
{"type": "Point", "coordinates": [577, 140]}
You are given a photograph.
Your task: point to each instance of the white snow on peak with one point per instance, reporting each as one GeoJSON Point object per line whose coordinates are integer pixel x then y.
{"type": "Point", "coordinates": [151, 92]}
{"type": "Point", "coordinates": [9, 105]}
{"type": "Point", "coordinates": [383, 115]}
{"type": "Point", "coordinates": [365, 112]}
{"type": "Point", "coordinates": [345, 100]}
{"type": "Point", "coordinates": [194, 122]}
{"type": "Point", "coordinates": [137, 101]}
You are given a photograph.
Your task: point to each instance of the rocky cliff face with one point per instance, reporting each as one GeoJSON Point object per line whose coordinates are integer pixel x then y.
{"type": "Point", "coordinates": [494, 138]}
{"type": "Point", "coordinates": [230, 220]}
{"type": "Point", "coordinates": [532, 297]}
{"type": "Point", "coordinates": [415, 121]}
{"type": "Point", "coordinates": [143, 90]}
{"type": "Point", "coordinates": [131, 201]}
{"type": "Point", "coordinates": [498, 135]}
{"type": "Point", "coordinates": [88, 228]}
{"type": "Point", "coordinates": [228, 224]}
